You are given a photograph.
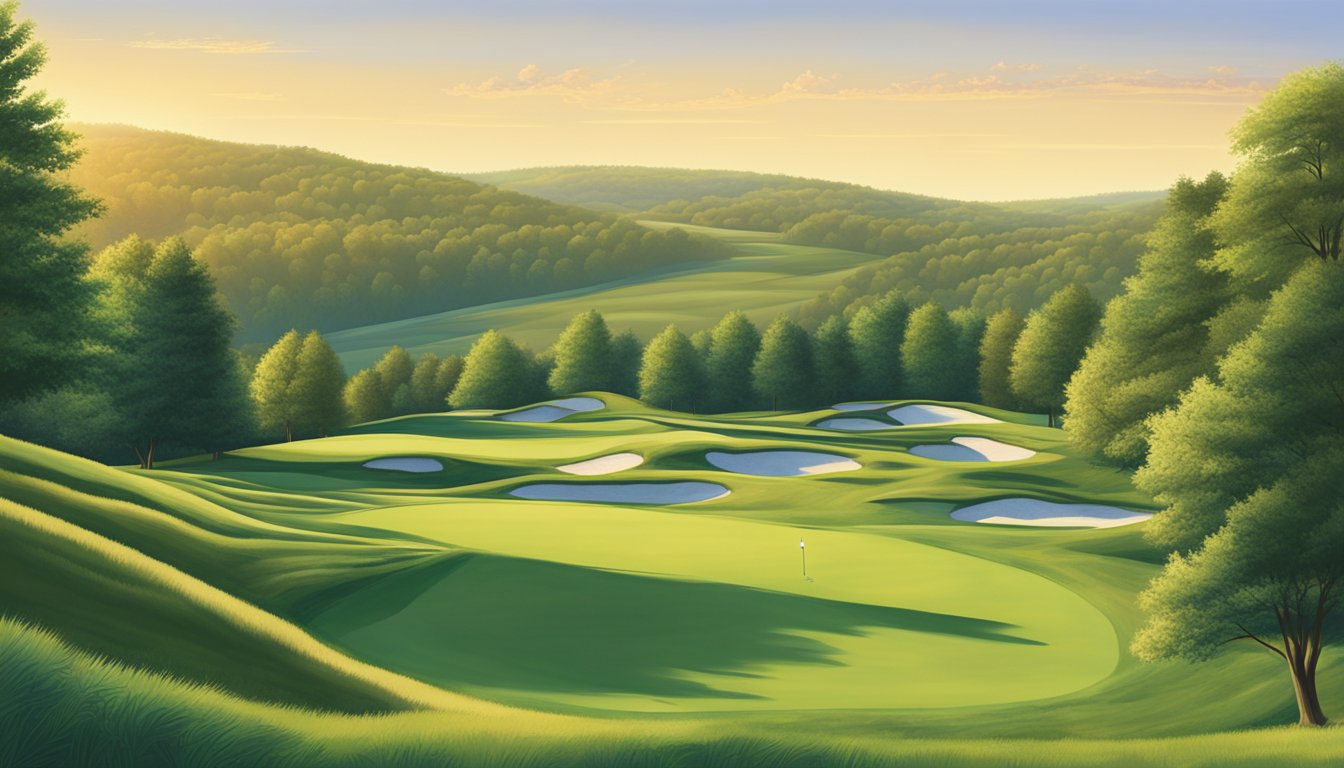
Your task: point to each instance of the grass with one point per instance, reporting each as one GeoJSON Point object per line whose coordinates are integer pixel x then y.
{"type": "Point", "coordinates": [768, 277]}
{"type": "Point", "coordinates": [289, 579]}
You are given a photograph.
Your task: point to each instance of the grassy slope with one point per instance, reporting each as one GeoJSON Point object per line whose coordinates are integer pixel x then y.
{"type": "Point", "coordinates": [767, 278]}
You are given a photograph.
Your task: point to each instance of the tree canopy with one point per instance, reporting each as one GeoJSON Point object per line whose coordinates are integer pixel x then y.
{"type": "Point", "coordinates": [583, 360]}
{"type": "Point", "coordinates": [1050, 347]}
{"type": "Point", "coordinates": [783, 372]}
{"type": "Point", "coordinates": [671, 374]}
{"type": "Point", "coordinates": [734, 342]}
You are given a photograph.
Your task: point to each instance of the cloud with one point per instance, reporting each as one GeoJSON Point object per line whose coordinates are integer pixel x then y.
{"type": "Point", "coordinates": [807, 82]}
{"type": "Point", "coordinates": [1224, 71]}
{"type": "Point", "coordinates": [1003, 66]}
{"type": "Point", "coordinates": [212, 45]}
{"type": "Point", "coordinates": [574, 84]}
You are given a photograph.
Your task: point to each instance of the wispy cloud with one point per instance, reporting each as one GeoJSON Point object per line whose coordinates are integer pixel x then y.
{"type": "Point", "coordinates": [213, 45]}
{"type": "Point", "coordinates": [575, 84]}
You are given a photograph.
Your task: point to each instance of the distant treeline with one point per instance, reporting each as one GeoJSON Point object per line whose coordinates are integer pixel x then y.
{"type": "Point", "coordinates": [297, 237]}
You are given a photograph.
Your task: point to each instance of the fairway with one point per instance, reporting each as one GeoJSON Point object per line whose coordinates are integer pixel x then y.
{"type": "Point", "coordinates": [766, 278]}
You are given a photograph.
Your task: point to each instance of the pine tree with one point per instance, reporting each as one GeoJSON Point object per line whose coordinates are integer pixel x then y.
{"type": "Point", "coordinates": [671, 374]}
{"type": "Point", "coordinates": [834, 362]}
{"type": "Point", "coordinates": [929, 354]}
{"type": "Point", "coordinates": [734, 343]}
{"type": "Point", "coordinates": [44, 301]}
{"type": "Point", "coordinates": [783, 371]}
{"type": "Point", "coordinates": [877, 331]}
{"type": "Point", "coordinates": [1051, 347]}
{"type": "Point", "coordinates": [583, 356]}
{"type": "Point", "coordinates": [996, 356]}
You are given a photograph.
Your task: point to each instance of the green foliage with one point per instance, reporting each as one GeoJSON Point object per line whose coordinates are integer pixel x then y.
{"type": "Point", "coordinates": [172, 373]}
{"type": "Point", "coordinates": [1286, 201]}
{"type": "Point", "coordinates": [394, 371]}
{"type": "Point", "coordinates": [836, 369]}
{"type": "Point", "coordinates": [300, 238]}
{"type": "Point", "coordinates": [877, 331]}
{"type": "Point", "coordinates": [317, 387]}
{"type": "Point", "coordinates": [497, 373]}
{"type": "Point", "coordinates": [996, 355]}
{"type": "Point", "coordinates": [1051, 345]}
{"type": "Point", "coordinates": [364, 397]}
{"type": "Point", "coordinates": [671, 374]}
{"type": "Point", "coordinates": [1248, 468]}
{"type": "Point", "coordinates": [272, 385]}
{"type": "Point", "coordinates": [966, 356]}
{"type": "Point", "coordinates": [734, 343]}
{"type": "Point", "coordinates": [1156, 336]}
{"type": "Point", "coordinates": [929, 353]}
{"type": "Point", "coordinates": [626, 355]}
{"type": "Point", "coordinates": [583, 356]}
{"type": "Point", "coordinates": [783, 371]}
{"type": "Point", "coordinates": [44, 301]}
{"type": "Point", "coordinates": [433, 380]}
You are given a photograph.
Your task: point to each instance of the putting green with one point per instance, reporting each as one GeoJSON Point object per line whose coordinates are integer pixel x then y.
{"type": "Point", "coordinates": [597, 606]}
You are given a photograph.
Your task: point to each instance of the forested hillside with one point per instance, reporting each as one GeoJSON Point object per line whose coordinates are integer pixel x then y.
{"type": "Point", "coordinates": [297, 237]}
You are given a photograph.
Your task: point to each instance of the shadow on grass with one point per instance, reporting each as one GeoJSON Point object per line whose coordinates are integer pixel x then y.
{"type": "Point", "coordinates": [529, 625]}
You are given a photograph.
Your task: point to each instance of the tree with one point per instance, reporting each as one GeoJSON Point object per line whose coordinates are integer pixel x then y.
{"type": "Point", "coordinates": [583, 356]}
{"type": "Point", "coordinates": [671, 373]}
{"type": "Point", "coordinates": [626, 355]}
{"type": "Point", "coordinates": [447, 376]}
{"type": "Point", "coordinates": [364, 397]}
{"type": "Point", "coordinates": [497, 373]}
{"type": "Point", "coordinates": [1156, 337]}
{"type": "Point", "coordinates": [929, 354]}
{"type": "Point", "coordinates": [783, 369]}
{"type": "Point", "coordinates": [272, 385]}
{"type": "Point", "coordinates": [996, 354]}
{"type": "Point", "coordinates": [1051, 346]}
{"type": "Point", "coordinates": [318, 386]}
{"type": "Point", "coordinates": [1247, 466]}
{"type": "Point", "coordinates": [966, 355]}
{"type": "Point", "coordinates": [394, 371]}
{"type": "Point", "coordinates": [433, 380]}
{"type": "Point", "coordinates": [175, 378]}
{"type": "Point", "coordinates": [1285, 204]}
{"type": "Point", "coordinates": [45, 302]}
{"type": "Point", "coordinates": [877, 331]}
{"type": "Point", "coordinates": [734, 342]}
{"type": "Point", "coordinates": [835, 368]}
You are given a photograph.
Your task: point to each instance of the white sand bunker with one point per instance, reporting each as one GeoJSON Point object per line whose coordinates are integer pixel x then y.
{"type": "Point", "coordinates": [603, 465]}
{"type": "Point", "coordinates": [1048, 514]}
{"type": "Point", "coordinates": [973, 449]}
{"type": "Point", "coordinates": [854, 425]}
{"type": "Point", "coordinates": [406, 465]}
{"type": "Point", "coordinates": [554, 410]}
{"type": "Point", "coordinates": [781, 463]}
{"type": "Point", "coordinates": [629, 493]}
{"type": "Point", "coordinates": [859, 406]}
{"type": "Point", "coordinates": [917, 415]}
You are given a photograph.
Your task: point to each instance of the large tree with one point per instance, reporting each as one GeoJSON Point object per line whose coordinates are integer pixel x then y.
{"type": "Point", "coordinates": [1286, 201]}
{"type": "Point", "coordinates": [626, 355]}
{"type": "Point", "coordinates": [966, 358]}
{"type": "Point", "coordinates": [272, 385]}
{"type": "Point", "coordinates": [1248, 468]}
{"type": "Point", "coordinates": [671, 374]}
{"type": "Point", "coordinates": [996, 356]}
{"type": "Point", "coordinates": [877, 331]}
{"type": "Point", "coordinates": [1155, 336]}
{"type": "Point", "coordinates": [174, 376]}
{"type": "Point", "coordinates": [835, 368]}
{"type": "Point", "coordinates": [433, 380]}
{"type": "Point", "coordinates": [497, 373]}
{"type": "Point", "coordinates": [734, 342]}
{"type": "Point", "coordinates": [583, 356]}
{"type": "Point", "coordinates": [364, 398]}
{"type": "Point", "coordinates": [1051, 346]}
{"type": "Point", "coordinates": [394, 371]}
{"type": "Point", "coordinates": [318, 386]}
{"type": "Point", "coordinates": [783, 371]}
{"type": "Point", "coordinates": [929, 354]}
{"type": "Point", "coordinates": [44, 300]}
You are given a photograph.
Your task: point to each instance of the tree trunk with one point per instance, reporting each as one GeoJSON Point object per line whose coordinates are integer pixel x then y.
{"type": "Point", "coordinates": [140, 457]}
{"type": "Point", "coordinates": [149, 455]}
{"type": "Point", "coordinates": [1050, 415]}
{"type": "Point", "coordinates": [1308, 700]}
{"type": "Point", "coordinates": [289, 432]}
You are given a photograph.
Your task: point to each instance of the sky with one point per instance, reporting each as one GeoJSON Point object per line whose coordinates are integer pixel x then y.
{"type": "Point", "coordinates": [971, 99]}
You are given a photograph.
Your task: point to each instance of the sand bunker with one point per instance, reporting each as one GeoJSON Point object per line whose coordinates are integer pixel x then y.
{"type": "Point", "coordinates": [781, 463]}
{"type": "Point", "coordinates": [859, 406]}
{"type": "Point", "coordinates": [854, 425]}
{"type": "Point", "coordinates": [554, 410]}
{"type": "Point", "coordinates": [916, 415]}
{"type": "Point", "coordinates": [603, 465]}
{"type": "Point", "coordinates": [406, 465]}
{"type": "Point", "coordinates": [1048, 514]}
{"type": "Point", "coordinates": [972, 449]}
{"type": "Point", "coordinates": [629, 493]}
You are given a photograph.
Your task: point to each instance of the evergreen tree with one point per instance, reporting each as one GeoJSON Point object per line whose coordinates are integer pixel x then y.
{"type": "Point", "coordinates": [318, 386]}
{"type": "Point", "coordinates": [626, 355]}
{"type": "Point", "coordinates": [834, 362]}
{"type": "Point", "coordinates": [783, 371]}
{"type": "Point", "coordinates": [929, 354]}
{"type": "Point", "coordinates": [1156, 337]}
{"type": "Point", "coordinates": [273, 382]}
{"type": "Point", "coordinates": [671, 374]}
{"type": "Point", "coordinates": [44, 300]}
{"type": "Point", "coordinates": [1051, 346]}
{"type": "Point", "coordinates": [497, 373]}
{"type": "Point", "coordinates": [365, 399]}
{"type": "Point", "coordinates": [175, 378]}
{"type": "Point", "coordinates": [734, 342]}
{"type": "Point", "coordinates": [583, 356]}
{"type": "Point", "coordinates": [996, 355]}
{"type": "Point", "coordinates": [877, 331]}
